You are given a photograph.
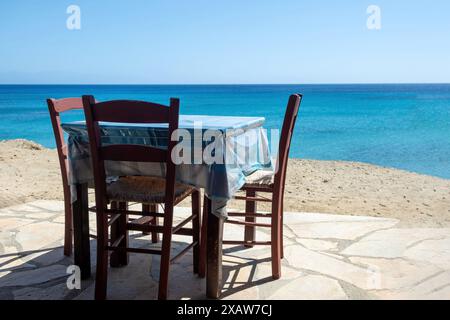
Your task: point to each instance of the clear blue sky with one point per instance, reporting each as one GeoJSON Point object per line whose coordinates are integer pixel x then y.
{"type": "Point", "coordinates": [228, 41]}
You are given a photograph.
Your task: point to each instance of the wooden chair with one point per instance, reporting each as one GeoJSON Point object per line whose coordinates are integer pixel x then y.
{"type": "Point", "coordinates": [147, 190]}
{"type": "Point", "coordinates": [272, 184]}
{"type": "Point", "coordinates": [56, 107]}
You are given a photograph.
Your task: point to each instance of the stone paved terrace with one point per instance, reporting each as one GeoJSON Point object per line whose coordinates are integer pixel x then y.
{"type": "Point", "coordinates": [326, 257]}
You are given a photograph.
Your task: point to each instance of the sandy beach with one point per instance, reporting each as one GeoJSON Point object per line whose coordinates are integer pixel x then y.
{"type": "Point", "coordinates": [29, 172]}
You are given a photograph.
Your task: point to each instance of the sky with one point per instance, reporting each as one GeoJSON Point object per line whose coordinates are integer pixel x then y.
{"type": "Point", "coordinates": [224, 42]}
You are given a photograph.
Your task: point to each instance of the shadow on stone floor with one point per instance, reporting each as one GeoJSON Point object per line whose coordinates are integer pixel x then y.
{"type": "Point", "coordinates": [326, 257]}
{"type": "Point", "coordinates": [43, 274]}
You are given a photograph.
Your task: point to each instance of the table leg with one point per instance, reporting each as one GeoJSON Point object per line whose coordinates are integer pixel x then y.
{"type": "Point", "coordinates": [214, 254]}
{"type": "Point", "coordinates": [80, 211]}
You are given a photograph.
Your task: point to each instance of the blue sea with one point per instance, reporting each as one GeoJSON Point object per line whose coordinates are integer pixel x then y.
{"type": "Point", "coordinates": [404, 126]}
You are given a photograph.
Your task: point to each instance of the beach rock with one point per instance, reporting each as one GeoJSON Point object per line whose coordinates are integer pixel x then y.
{"type": "Point", "coordinates": [23, 144]}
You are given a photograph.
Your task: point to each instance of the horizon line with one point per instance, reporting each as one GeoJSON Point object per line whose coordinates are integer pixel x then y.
{"type": "Point", "coordinates": [222, 84]}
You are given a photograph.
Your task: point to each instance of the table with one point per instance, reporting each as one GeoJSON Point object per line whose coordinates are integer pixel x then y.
{"type": "Point", "coordinates": [220, 152]}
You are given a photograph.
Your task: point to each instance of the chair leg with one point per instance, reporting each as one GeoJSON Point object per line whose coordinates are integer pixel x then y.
{"type": "Point", "coordinates": [154, 222]}
{"type": "Point", "coordinates": [123, 220]}
{"type": "Point", "coordinates": [165, 253]}
{"type": "Point", "coordinates": [202, 260]}
{"type": "Point", "coordinates": [102, 255]}
{"type": "Point", "coordinates": [114, 234]}
{"type": "Point", "coordinates": [250, 207]}
{"type": "Point", "coordinates": [281, 231]}
{"type": "Point", "coordinates": [119, 228]}
{"type": "Point", "coordinates": [196, 203]}
{"type": "Point", "coordinates": [275, 240]}
{"type": "Point", "coordinates": [68, 225]}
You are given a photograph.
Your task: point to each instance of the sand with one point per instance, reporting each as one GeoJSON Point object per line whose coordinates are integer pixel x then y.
{"type": "Point", "coordinates": [29, 171]}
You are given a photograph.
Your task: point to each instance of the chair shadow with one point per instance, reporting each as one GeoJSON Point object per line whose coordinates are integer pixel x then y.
{"type": "Point", "coordinates": [47, 273]}
{"type": "Point", "coordinates": [230, 273]}
{"type": "Point", "coordinates": [23, 277]}
{"type": "Point", "coordinates": [19, 255]}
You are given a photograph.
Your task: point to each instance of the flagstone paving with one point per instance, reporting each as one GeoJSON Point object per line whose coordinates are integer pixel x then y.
{"type": "Point", "coordinates": [325, 257]}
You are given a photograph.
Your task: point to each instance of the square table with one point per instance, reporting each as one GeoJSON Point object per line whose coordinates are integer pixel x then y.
{"type": "Point", "coordinates": [220, 152]}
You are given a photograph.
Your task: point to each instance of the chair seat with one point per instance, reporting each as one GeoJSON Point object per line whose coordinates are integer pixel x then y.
{"type": "Point", "coordinates": [260, 178]}
{"type": "Point", "coordinates": [144, 190]}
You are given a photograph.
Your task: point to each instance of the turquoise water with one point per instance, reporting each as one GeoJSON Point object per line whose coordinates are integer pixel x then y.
{"type": "Point", "coordinates": [402, 126]}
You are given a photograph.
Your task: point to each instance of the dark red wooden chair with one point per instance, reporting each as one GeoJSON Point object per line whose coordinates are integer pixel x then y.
{"type": "Point", "coordinates": [55, 107]}
{"type": "Point", "coordinates": [272, 184]}
{"type": "Point", "coordinates": [147, 190]}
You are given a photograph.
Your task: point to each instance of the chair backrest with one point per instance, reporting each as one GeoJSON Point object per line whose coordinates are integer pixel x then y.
{"type": "Point", "coordinates": [129, 111]}
{"type": "Point", "coordinates": [55, 107]}
{"type": "Point", "coordinates": [285, 140]}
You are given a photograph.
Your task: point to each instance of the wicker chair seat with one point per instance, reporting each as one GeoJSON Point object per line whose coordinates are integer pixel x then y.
{"type": "Point", "coordinates": [260, 178]}
{"type": "Point", "coordinates": [144, 190]}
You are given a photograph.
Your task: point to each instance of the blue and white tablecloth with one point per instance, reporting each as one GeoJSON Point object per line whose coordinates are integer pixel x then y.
{"type": "Point", "coordinates": [217, 153]}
